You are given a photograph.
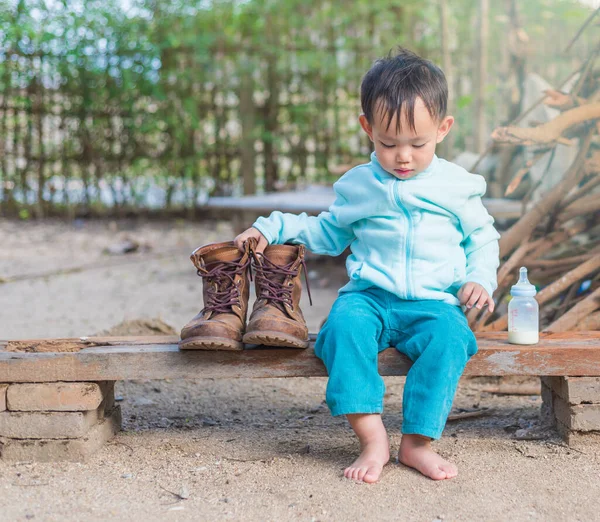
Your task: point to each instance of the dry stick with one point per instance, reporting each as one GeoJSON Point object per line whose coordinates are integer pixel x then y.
{"type": "Point", "coordinates": [590, 206]}
{"type": "Point", "coordinates": [540, 247]}
{"type": "Point", "coordinates": [591, 322]}
{"type": "Point", "coordinates": [561, 101]}
{"type": "Point", "coordinates": [547, 276]}
{"type": "Point", "coordinates": [515, 259]}
{"type": "Point", "coordinates": [581, 310]}
{"type": "Point", "coordinates": [518, 177]}
{"type": "Point", "coordinates": [468, 414]}
{"type": "Point", "coordinates": [536, 184]}
{"type": "Point", "coordinates": [583, 200]}
{"type": "Point", "coordinates": [554, 289]}
{"type": "Point", "coordinates": [505, 269]}
{"type": "Point", "coordinates": [581, 29]}
{"type": "Point", "coordinates": [526, 225]}
{"type": "Point", "coordinates": [559, 262]}
{"type": "Point", "coordinates": [592, 165]}
{"type": "Point", "coordinates": [490, 146]}
{"type": "Point", "coordinates": [567, 301]}
{"type": "Point", "coordinates": [550, 132]}
{"type": "Point", "coordinates": [578, 273]}
{"type": "Point", "coordinates": [584, 189]}
{"type": "Point", "coordinates": [589, 64]}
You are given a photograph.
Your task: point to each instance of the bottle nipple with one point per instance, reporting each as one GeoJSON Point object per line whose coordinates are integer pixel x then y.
{"type": "Point", "coordinates": [523, 288]}
{"type": "Point", "coordinates": [523, 277]}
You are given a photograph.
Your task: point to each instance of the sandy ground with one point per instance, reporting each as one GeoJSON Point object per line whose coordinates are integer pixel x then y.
{"type": "Point", "coordinates": [242, 449]}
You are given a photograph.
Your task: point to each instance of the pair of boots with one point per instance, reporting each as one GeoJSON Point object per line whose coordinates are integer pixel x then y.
{"type": "Point", "coordinates": [276, 318]}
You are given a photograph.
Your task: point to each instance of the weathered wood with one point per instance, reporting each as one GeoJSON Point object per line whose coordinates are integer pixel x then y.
{"type": "Point", "coordinates": [569, 353]}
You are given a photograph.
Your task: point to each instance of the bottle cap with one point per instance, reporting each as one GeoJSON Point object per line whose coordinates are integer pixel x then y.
{"type": "Point", "coordinates": [523, 288]}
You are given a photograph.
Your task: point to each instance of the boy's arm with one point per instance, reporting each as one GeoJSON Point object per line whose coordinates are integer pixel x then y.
{"type": "Point", "coordinates": [480, 240]}
{"type": "Point", "coordinates": [328, 233]}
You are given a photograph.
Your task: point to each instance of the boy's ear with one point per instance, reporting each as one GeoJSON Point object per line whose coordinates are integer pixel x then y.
{"type": "Point", "coordinates": [366, 126]}
{"type": "Point", "coordinates": [444, 128]}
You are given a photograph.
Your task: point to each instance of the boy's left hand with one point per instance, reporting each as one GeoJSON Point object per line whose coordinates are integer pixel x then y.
{"type": "Point", "coordinates": [473, 294]}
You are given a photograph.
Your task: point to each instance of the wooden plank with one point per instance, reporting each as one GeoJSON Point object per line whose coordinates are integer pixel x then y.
{"type": "Point", "coordinates": [69, 344]}
{"type": "Point", "coordinates": [569, 353]}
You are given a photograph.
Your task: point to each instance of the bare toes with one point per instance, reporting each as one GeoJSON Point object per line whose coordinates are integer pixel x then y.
{"type": "Point", "coordinates": [438, 474]}
{"type": "Point", "coordinates": [371, 477]}
{"type": "Point", "coordinates": [450, 470]}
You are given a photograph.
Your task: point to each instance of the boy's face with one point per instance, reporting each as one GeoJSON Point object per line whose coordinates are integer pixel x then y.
{"type": "Point", "coordinates": [406, 153]}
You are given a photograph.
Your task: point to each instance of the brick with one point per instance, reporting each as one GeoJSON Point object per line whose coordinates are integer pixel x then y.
{"type": "Point", "coordinates": [3, 388]}
{"type": "Point", "coordinates": [581, 417]}
{"type": "Point", "coordinates": [46, 425]}
{"type": "Point", "coordinates": [55, 396]}
{"type": "Point", "coordinates": [578, 439]}
{"type": "Point", "coordinates": [575, 390]}
{"type": "Point", "coordinates": [72, 450]}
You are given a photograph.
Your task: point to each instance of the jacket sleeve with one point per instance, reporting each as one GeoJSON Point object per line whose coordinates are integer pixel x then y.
{"type": "Point", "coordinates": [328, 233]}
{"type": "Point", "coordinates": [480, 239]}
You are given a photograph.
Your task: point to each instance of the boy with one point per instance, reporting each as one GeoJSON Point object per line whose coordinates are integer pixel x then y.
{"type": "Point", "coordinates": [422, 245]}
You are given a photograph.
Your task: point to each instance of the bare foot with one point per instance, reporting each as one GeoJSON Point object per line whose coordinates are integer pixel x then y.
{"type": "Point", "coordinates": [375, 448]}
{"type": "Point", "coordinates": [416, 452]}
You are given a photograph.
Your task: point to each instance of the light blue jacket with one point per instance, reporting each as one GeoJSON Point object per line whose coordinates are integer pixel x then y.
{"type": "Point", "coordinates": [419, 238]}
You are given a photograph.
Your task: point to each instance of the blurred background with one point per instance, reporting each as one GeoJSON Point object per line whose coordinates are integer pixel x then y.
{"type": "Point", "coordinates": [116, 105]}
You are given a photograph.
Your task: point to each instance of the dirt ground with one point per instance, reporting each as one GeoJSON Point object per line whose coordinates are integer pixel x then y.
{"type": "Point", "coordinates": [251, 449]}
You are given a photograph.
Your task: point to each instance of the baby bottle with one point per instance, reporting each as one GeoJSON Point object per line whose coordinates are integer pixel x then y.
{"type": "Point", "coordinates": [523, 312]}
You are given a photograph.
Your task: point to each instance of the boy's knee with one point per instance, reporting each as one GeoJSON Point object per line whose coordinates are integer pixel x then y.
{"type": "Point", "coordinates": [346, 318]}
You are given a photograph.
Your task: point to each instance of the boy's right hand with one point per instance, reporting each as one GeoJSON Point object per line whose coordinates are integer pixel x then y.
{"type": "Point", "coordinates": [251, 233]}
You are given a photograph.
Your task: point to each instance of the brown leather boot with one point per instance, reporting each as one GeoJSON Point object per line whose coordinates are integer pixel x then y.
{"type": "Point", "coordinates": [276, 318]}
{"type": "Point", "coordinates": [220, 324]}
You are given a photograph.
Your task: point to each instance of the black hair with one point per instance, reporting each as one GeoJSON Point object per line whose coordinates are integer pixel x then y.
{"type": "Point", "coordinates": [395, 82]}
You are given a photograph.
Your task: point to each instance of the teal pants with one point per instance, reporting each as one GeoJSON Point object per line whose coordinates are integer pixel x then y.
{"type": "Point", "coordinates": [434, 335]}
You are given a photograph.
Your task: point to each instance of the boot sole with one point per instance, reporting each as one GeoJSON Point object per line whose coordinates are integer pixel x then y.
{"type": "Point", "coordinates": [275, 339]}
{"type": "Point", "coordinates": [211, 343]}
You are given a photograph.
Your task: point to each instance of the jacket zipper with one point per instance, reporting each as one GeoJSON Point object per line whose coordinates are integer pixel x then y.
{"type": "Point", "coordinates": [407, 239]}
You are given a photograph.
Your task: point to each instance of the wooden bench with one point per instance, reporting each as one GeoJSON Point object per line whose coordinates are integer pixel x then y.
{"type": "Point", "coordinates": [57, 395]}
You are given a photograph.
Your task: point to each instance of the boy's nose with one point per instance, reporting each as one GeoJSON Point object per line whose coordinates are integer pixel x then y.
{"type": "Point", "coordinates": [403, 156]}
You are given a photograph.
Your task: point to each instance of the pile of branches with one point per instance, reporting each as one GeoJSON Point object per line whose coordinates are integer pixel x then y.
{"type": "Point", "coordinates": [558, 239]}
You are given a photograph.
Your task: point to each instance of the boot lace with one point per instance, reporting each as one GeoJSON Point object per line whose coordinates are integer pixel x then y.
{"type": "Point", "coordinates": [271, 279]}
{"type": "Point", "coordinates": [226, 294]}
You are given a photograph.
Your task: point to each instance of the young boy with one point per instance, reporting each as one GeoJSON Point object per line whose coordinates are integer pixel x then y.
{"type": "Point", "coordinates": [422, 244]}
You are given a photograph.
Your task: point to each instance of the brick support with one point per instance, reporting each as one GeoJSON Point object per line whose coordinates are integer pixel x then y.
{"type": "Point", "coordinates": [573, 404]}
{"type": "Point", "coordinates": [575, 390]}
{"type": "Point", "coordinates": [3, 388]}
{"type": "Point", "coordinates": [46, 425]}
{"type": "Point", "coordinates": [56, 396]}
{"type": "Point", "coordinates": [73, 450]}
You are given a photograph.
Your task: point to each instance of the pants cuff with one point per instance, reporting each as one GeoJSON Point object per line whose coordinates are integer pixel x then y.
{"type": "Point", "coordinates": [413, 429]}
{"type": "Point", "coordinates": [351, 409]}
